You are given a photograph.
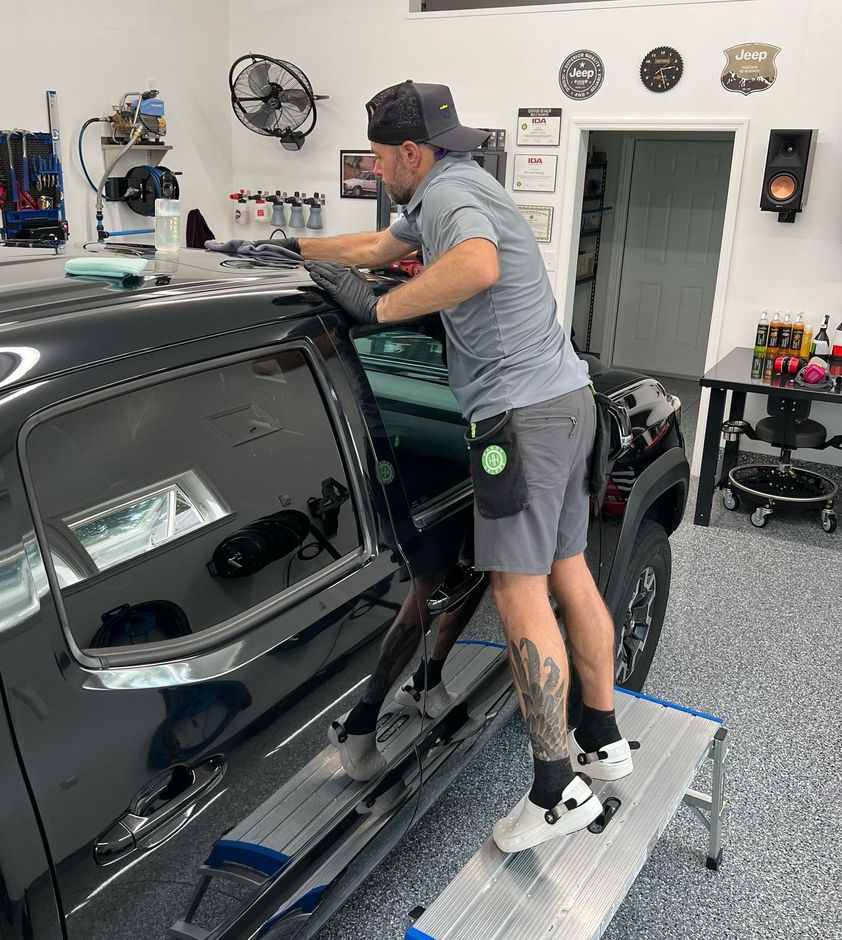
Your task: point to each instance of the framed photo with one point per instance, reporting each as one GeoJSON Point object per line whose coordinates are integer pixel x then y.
{"type": "Point", "coordinates": [357, 179]}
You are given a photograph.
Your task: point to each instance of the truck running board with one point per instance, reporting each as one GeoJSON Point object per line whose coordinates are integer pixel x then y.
{"type": "Point", "coordinates": [569, 889]}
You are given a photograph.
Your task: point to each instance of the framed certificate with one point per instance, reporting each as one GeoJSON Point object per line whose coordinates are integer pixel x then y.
{"type": "Point", "coordinates": [540, 219]}
{"type": "Point", "coordinates": [539, 127]}
{"type": "Point", "coordinates": [535, 172]}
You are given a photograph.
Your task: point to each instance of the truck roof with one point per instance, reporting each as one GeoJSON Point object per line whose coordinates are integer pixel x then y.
{"type": "Point", "coordinates": [64, 322]}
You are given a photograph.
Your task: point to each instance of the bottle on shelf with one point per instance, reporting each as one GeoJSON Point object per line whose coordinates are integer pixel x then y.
{"type": "Point", "coordinates": [821, 344]}
{"type": "Point", "coordinates": [261, 208]}
{"type": "Point", "coordinates": [761, 340]}
{"type": "Point", "coordinates": [836, 346]}
{"type": "Point", "coordinates": [807, 343]}
{"type": "Point", "coordinates": [797, 334]}
{"type": "Point", "coordinates": [785, 337]}
{"type": "Point", "coordinates": [774, 342]}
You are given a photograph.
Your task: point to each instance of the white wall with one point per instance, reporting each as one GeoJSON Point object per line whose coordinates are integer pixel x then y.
{"type": "Point", "coordinates": [498, 62]}
{"type": "Point", "coordinates": [92, 52]}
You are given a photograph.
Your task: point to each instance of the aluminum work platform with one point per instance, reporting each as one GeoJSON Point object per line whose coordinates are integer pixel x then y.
{"type": "Point", "coordinates": [569, 889]}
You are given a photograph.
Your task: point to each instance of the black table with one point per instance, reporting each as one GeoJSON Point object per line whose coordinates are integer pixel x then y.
{"type": "Point", "coordinates": [734, 373]}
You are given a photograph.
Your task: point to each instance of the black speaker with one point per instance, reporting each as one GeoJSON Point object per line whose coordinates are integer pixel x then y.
{"type": "Point", "coordinates": [789, 166]}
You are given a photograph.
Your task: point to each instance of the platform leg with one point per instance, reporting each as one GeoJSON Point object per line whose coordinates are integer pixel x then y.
{"type": "Point", "coordinates": [720, 753]}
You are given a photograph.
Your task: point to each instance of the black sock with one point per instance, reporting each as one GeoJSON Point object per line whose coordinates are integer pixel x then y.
{"type": "Point", "coordinates": [596, 729]}
{"type": "Point", "coordinates": [551, 777]}
{"type": "Point", "coordinates": [362, 718]}
{"type": "Point", "coordinates": [427, 679]}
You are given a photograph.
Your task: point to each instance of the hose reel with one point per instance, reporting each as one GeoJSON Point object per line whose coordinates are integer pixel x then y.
{"type": "Point", "coordinates": [141, 186]}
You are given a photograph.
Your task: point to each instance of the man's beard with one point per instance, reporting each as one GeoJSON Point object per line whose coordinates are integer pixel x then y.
{"type": "Point", "coordinates": [401, 189]}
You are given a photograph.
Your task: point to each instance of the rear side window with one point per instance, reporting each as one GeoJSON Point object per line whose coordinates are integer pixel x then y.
{"type": "Point", "coordinates": [173, 508]}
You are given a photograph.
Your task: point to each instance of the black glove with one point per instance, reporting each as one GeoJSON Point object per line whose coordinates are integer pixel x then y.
{"type": "Point", "coordinates": [348, 287]}
{"type": "Point", "coordinates": [291, 244]}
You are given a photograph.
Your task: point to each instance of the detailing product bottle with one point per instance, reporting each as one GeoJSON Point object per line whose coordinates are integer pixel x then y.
{"type": "Point", "coordinates": [774, 342]}
{"type": "Point", "coordinates": [822, 342]}
{"type": "Point", "coordinates": [785, 338]}
{"type": "Point", "coordinates": [296, 212]}
{"type": "Point", "coordinates": [797, 334]}
{"type": "Point", "coordinates": [760, 342]}
{"type": "Point", "coordinates": [241, 211]}
{"type": "Point", "coordinates": [807, 343]}
{"type": "Point", "coordinates": [314, 219]}
{"type": "Point", "coordinates": [261, 209]}
{"type": "Point", "coordinates": [167, 224]}
{"type": "Point", "coordinates": [278, 215]}
{"type": "Point", "coordinates": [836, 347]}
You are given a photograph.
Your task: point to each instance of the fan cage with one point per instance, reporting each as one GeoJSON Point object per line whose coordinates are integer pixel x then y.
{"type": "Point", "coordinates": [271, 97]}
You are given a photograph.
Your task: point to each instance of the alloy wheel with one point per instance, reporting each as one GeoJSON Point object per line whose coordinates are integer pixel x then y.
{"type": "Point", "coordinates": [637, 624]}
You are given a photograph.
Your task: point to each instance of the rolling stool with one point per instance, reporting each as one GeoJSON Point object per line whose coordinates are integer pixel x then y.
{"type": "Point", "coordinates": [770, 486]}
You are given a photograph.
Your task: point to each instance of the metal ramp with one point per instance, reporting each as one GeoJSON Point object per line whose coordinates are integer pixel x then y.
{"type": "Point", "coordinates": [570, 889]}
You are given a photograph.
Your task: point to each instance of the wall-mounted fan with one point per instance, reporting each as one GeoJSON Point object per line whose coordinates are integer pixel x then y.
{"type": "Point", "coordinates": [273, 98]}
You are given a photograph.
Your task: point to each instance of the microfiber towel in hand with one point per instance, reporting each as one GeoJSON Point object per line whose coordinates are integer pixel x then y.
{"type": "Point", "coordinates": [227, 248]}
{"type": "Point", "coordinates": [99, 266]}
{"type": "Point", "coordinates": [268, 250]}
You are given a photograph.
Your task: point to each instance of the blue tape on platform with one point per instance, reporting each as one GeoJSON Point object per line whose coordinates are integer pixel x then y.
{"type": "Point", "coordinates": [666, 704]}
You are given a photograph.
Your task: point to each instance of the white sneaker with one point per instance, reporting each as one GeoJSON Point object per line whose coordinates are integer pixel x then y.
{"type": "Point", "coordinates": [358, 752]}
{"type": "Point", "coordinates": [437, 702]}
{"type": "Point", "coordinates": [529, 825]}
{"type": "Point", "coordinates": [611, 762]}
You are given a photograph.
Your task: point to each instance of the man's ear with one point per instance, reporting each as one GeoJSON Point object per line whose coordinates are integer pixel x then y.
{"type": "Point", "coordinates": [412, 153]}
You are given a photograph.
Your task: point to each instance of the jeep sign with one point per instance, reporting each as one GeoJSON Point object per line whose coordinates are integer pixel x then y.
{"type": "Point", "coordinates": [581, 75]}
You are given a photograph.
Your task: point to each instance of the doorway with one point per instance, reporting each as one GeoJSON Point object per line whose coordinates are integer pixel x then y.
{"type": "Point", "coordinates": [649, 248]}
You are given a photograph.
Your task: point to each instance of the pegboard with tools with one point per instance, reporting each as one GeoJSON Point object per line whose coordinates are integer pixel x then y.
{"type": "Point", "coordinates": [32, 186]}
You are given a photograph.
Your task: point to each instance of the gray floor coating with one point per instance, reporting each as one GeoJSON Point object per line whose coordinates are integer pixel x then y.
{"type": "Point", "coordinates": [751, 635]}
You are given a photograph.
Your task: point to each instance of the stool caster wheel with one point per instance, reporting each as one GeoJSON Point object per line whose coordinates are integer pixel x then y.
{"type": "Point", "coordinates": [760, 517]}
{"type": "Point", "coordinates": [730, 500]}
{"type": "Point", "coordinates": [828, 520]}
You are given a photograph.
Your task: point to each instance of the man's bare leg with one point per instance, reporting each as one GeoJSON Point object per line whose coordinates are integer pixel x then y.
{"type": "Point", "coordinates": [540, 671]}
{"type": "Point", "coordinates": [559, 802]}
{"type": "Point", "coordinates": [590, 631]}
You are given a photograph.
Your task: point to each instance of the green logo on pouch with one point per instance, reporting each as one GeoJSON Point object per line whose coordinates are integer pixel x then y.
{"type": "Point", "coordinates": [494, 460]}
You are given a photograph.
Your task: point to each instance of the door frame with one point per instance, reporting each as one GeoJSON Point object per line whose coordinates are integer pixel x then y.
{"type": "Point", "coordinates": [576, 143]}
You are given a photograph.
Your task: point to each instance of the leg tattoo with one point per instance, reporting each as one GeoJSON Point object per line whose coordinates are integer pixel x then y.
{"type": "Point", "coordinates": [543, 701]}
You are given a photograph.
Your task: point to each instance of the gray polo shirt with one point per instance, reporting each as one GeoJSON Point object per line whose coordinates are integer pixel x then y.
{"type": "Point", "coordinates": [505, 346]}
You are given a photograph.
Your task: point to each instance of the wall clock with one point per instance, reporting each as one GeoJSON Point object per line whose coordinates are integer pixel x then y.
{"type": "Point", "coordinates": [662, 69]}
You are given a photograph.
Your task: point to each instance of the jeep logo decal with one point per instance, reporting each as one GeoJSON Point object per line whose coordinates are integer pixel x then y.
{"type": "Point", "coordinates": [750, 68]}
{"type": "Point", "coordinates": [581, 75]}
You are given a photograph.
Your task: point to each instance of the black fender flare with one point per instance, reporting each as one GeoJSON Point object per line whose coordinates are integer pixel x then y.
{"type": "Point", "coordinates": [669, 470]}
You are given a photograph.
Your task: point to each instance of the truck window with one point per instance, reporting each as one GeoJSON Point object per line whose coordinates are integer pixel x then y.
{"type": "Point", "coordinates": [172, 508]}
{"type": "Point", "coordinates": [406, 370]}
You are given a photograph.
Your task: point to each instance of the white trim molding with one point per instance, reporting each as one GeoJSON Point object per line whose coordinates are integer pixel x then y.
{"type": "Point", "coordinates": [574, 171]}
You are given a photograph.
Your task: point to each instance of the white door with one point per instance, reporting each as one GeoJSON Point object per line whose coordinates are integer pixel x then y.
{"type": "Point", "coordinates": [673, 237]}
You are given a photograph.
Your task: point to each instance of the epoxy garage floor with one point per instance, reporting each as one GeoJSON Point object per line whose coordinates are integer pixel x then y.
{"type": "Point", "coordinates": [751, 635]}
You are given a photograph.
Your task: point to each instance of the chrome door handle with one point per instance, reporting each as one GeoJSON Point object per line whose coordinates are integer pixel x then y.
{"type": "Point", "coordinates": [160, 809]}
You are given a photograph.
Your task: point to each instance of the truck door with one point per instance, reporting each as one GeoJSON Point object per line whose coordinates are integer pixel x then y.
{"type": "Point", "coordinates": [198, 527]}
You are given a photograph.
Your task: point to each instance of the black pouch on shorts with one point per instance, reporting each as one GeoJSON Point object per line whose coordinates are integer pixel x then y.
{"type": "Point", "coordinates": [601, 444]}
{"type": "Point", "coordinates": [500, 487]}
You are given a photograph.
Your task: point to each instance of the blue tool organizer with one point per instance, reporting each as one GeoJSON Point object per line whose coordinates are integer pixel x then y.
{"type": "Point", "coordinates": [41, 162]}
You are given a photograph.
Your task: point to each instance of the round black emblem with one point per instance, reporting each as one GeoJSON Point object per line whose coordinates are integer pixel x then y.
{"type": "Point", "coordinates": [581, 75]}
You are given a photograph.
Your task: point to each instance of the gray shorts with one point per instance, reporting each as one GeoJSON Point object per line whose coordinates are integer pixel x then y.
{"type": "Point", "coordinates": [555, 440]}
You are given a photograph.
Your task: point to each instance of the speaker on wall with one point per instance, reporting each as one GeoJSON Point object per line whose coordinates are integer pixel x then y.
{"type": "Point", "coordinates": [789, 166]}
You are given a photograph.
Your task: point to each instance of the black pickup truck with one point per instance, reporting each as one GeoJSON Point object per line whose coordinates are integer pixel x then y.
{"type": "Point", "coordinates": [220, 514]}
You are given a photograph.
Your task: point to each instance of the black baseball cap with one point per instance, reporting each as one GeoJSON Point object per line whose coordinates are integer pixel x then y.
{"type": "Point", "coordinates": [422, 113]}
